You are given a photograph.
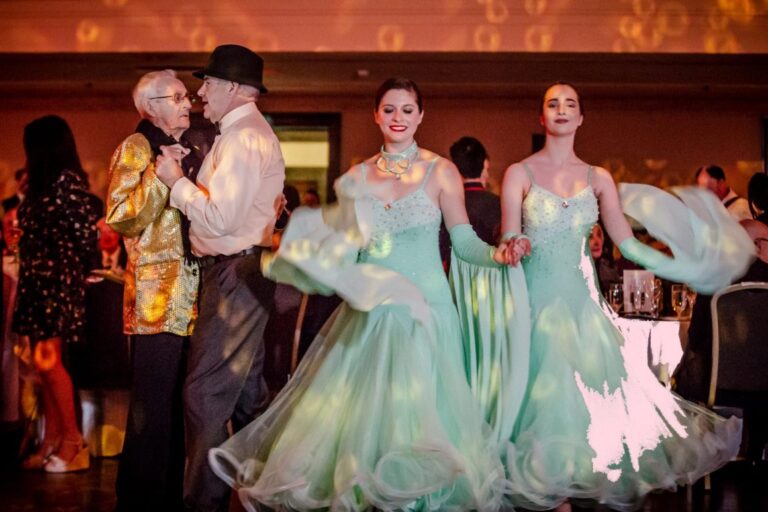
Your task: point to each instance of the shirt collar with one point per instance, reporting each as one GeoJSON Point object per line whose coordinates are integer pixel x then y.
{"type": "Point", "coordinates": [237, 114]}
{"type": "Point", "coordinates": [474, 184]}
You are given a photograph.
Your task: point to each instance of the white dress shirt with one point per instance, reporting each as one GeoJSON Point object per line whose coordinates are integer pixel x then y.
{"type": "Point", "coordinates": [233, 205]}
{"type": "Point", "coordinates": [739, 209]}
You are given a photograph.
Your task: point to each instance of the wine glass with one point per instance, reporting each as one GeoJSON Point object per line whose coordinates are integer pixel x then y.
{"type": "Point", "coordinates": [640, 298]}
{"type": "Point", "coordinates": [690, 299]}
{"type": "Point", "coordinates": [679, 299]}
{"type": "Point", "coordinates": [658, 297]}
{"type": "Point", "coordinates": [616, 296]}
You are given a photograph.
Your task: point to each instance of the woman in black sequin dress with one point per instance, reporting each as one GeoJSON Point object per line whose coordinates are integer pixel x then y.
{"type": "Point", "coordinates": [57, 250]}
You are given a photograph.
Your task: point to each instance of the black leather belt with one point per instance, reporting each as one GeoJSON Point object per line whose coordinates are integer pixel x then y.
{"type": "Point", "coordinates": [207, 261]}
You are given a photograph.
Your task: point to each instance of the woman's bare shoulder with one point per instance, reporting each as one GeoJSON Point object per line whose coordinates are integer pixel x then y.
{"type": "Point", "coordinates": [602, 180]}
{"type": "Point", "coordinates": [601, 175]}
{"type": "Point", "coordinates": [357, 169]}
{"type": "Point", "coordinates": [516, 173]}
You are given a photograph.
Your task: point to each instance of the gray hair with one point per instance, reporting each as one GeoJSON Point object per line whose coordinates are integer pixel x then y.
{"type": "Point", "coordinates": [248, 92]}
{"type": "Point", "coordinates": [149, 85]}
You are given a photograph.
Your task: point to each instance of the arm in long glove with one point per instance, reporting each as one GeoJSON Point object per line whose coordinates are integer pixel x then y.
{"type": "Point", "coordinates": [470, 248]}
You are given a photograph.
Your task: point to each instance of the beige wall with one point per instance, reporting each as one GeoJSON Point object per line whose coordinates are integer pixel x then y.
{"type": "Point", "coordinates": [657, 141]}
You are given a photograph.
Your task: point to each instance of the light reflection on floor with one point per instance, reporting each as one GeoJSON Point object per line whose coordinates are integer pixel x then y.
{"type": "Point", "coordinates": [736, 488]}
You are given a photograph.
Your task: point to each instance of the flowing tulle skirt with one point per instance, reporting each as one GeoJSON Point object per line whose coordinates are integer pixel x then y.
{"type": "Point", "coordinates": [595, 424]}
{"type": "Point", "coordinates": [378, 415]}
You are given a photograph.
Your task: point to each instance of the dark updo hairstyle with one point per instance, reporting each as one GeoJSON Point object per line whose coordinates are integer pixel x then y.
{"type": "Point", "coordinates": [404, 84]}
{"type": "Point", "coordinates": [578, 95]}
{"type": "Point", "coordinates": [757, 192]}
{"type": "Point", "coordinates": [50, 150]}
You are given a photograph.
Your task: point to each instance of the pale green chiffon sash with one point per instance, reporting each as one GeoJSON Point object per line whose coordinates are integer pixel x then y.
{"type": "Point", "coordinates": [495, 321]}
{"type": "Point", "coordinates": [710, 248]}
{"type": "Point", "coordinates": [318, 254]}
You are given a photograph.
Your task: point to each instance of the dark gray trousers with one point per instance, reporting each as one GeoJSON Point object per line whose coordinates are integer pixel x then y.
{"type": "Point", "coordinates": [225, 369]}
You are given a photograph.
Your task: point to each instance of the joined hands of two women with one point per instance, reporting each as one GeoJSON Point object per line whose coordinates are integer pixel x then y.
{"type": "Point", "coordinates": [510, 252]}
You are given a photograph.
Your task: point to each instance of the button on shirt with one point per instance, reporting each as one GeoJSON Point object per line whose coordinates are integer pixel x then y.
{"type": "Point", "coordinates": [239, 187]}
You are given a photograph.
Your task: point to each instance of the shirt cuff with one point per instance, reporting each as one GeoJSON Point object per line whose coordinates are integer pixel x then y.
{"type": "Point", "coordinates": [182, 192]}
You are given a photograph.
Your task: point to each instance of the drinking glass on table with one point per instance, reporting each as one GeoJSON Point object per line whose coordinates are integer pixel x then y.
{"type": "Point", "coordinates": [616, 296]}
{"type": "Point", "coordinates": [658, 297]}
{"type": "Point", "coordinates": [679, 299]}
{"type": "Point", "coordinates": [641, 299]}
{"type": "Point", "coordinates": [690, 296]}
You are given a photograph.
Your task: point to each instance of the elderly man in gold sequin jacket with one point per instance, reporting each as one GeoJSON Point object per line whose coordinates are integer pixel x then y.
{"type": "Point", "coordinates": [161, 282]}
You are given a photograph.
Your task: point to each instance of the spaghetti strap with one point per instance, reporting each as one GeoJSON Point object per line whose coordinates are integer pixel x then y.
{"type": "Point", "coordinates": [429, 172]}
{"type": "Point", "coordinates": [589, 175]}
{"type": "Point", "coordinates": [528, 172]}
{"type": "Point", "coordinates": [363, 172]}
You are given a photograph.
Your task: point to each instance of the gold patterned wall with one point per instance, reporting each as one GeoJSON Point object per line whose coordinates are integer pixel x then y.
{"type": "Point", "coordinates": [687, 26]}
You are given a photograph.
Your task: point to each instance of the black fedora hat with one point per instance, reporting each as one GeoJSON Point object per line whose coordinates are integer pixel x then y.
{"type": "Point", "coordinates": [235, 63]}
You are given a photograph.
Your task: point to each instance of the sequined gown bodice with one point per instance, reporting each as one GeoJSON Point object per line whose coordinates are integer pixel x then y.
{"type": "Point", "coordinates": [405, 239]}
{"type": "Point", "coordinates": [559, 230]}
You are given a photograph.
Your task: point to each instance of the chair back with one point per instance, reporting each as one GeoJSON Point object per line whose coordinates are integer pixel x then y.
{"type": "Point", "coordinates": [739, 340]}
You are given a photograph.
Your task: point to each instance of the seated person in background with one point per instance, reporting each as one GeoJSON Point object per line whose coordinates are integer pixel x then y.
{"type": "Point", "coordinates": [102, 361]}
{"type": "Point", "coordinates": [602, 254]}
{"type": "Point", "coordinates": [691, 379]}
{"type": "Point", "coordinates": [712, 177]}
{"type": "Point", "coordinates": [11, 203]}
{"type": "Point", "coordinates": [311, 198]}
{"type": "Point", "coordinates": [757, 192]}
{"type": "Point", "coordinates": [21, 179]}
{"type": "Point", "coordinates": [11, 232]}
{"type": "Point", "coordinates": [9, 374]}
{"type": "Point", "coordinates": [113, 255]}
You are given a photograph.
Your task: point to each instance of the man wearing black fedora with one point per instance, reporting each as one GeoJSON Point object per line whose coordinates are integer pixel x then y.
{"type": "Point", "coordinates": [232, 208]}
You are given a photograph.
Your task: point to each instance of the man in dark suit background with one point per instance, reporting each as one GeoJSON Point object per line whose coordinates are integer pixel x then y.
{"type": "Point", "coordinates": [483, 207]}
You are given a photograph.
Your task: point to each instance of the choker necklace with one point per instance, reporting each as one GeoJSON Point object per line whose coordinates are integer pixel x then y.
{"type": "Point", "coordinates": [397, 164]}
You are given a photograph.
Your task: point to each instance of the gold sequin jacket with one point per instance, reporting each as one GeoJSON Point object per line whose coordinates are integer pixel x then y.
{"type": "Point", "coordinates": [160, 288]}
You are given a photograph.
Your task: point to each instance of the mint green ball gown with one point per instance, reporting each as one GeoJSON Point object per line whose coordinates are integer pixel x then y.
{"type": "Point", "coordinates": [379, 413]}
{"type": "Point", "coordinates": [582, 421]}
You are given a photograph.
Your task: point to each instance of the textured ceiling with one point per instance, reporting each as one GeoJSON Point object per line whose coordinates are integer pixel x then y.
{"type": "Point", "coordinates": [620, 26]}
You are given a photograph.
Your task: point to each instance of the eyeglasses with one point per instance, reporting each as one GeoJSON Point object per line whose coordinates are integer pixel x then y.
{"type": "Point", "coordinates": [178, 98]}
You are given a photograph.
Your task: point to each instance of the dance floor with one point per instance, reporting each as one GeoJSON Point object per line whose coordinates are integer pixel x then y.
{"type": "Point", "coordinates": [736, 488]}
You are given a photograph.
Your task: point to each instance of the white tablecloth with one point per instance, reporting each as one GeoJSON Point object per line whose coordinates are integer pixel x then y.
{"type": "Point", "coordinates": [659, 341]}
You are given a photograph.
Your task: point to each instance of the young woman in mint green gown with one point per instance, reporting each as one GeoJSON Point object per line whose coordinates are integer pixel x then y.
{"type": "Point", "coordinates": [592, 423]}
{"type": "Point", "coordinates": [379, 413]}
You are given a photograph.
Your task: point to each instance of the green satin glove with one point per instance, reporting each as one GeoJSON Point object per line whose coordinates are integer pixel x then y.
{"type": "Point", "coordinates": [650, 258]}
{"type": "Point", "coordinates": [468, 246]}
